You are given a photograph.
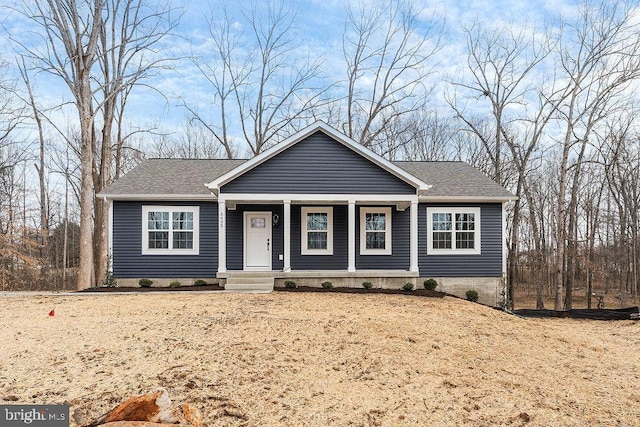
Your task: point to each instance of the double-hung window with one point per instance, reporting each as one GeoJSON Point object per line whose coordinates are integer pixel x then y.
{"type": "Point", "coordinates": [375, 231]}
{"type": "Point", "coordinates": [317, 230]}
{"type": "Point", "coordinates": [170, 230]}
{"type": "Point", "coordinates": [453, 231]}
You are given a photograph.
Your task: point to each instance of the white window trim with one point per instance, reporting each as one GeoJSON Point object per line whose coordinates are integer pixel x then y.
{"type": "Point", "coordinates": [363, 240]}
{"type": "Point", "coordinates": [171, 209]}
{"type": "Point", "coordinates": [453, 212]}
{"type": "Point", "coordinates": [303, 230]}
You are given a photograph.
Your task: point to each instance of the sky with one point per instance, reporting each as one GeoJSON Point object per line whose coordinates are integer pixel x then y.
{"type": "Point", "coordinates": [318, 30]}
{"type": "Point", "coordinates": [320, 24]}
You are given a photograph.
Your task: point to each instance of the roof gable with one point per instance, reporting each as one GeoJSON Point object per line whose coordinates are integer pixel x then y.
{"type": "Point", "coordinates": [337, 137]}
{"type": "Point", "coordinates": [317, 165]}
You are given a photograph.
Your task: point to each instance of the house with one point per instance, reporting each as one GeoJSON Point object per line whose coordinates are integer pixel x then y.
{"type": "Point", "coordinates": [315, 207]}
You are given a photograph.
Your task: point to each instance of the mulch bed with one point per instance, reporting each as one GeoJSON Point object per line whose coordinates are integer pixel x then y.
{"type": "Point", "coordinates": [593, 314]}
{"type": "Point", "coordinates": [155, 289]}
{"type": "Point", "coordinates": [417, 292]}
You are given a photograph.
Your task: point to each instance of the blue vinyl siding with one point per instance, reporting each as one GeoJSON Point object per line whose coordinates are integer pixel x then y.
{"type": "Point", "coordinates": [340, 258]}
{"type": "Point", "coordinates": [400, 244]}
{"type": "Point", "coordinates": [487, 264]}
{"type": "Point", "coordinates": [235, 236]}
{"type": "Point", "coordinates": [128, 261]}
{"type": "Point", "coordinates": [317, 165]}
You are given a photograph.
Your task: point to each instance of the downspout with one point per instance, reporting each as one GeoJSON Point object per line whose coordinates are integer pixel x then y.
{"type": "Point", "coordinates": [109, 235]}
{"type": "Point", "coordinates": [504, 282]}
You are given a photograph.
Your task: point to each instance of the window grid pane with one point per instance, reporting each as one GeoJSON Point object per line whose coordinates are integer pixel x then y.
{"type": "Point", "coordinates": [158, 221]}
{"type": "Point", "coordinates": [317, 221]}
{"type": "Point", "coordinates": [182, 240]}
{"type": "Point", "coordinates": [465, 240]}
{"type": "Point", "coordinates": [317, 240]}
{"type": "Point", "coordinates": [375, 221]}
{"type": "Point", "coordinates": [465, 221]}
{"type": "Point", "coordinates": [441, 221]}
{"type": "Point", "coordinates": [376, 240]}
{"type": "Point", "coordinates": [183, 220]}
{"type": "Point", "coordinates": [441, 240]}
{"type": "Point", "coordinates": [158, 240]}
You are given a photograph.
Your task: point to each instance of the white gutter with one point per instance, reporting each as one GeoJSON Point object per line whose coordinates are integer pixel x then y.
{"type": "Point", "coordinates": [204, 197]}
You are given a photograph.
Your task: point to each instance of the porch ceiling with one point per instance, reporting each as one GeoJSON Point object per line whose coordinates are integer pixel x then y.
{"type": "Point", "coordinates": [401, 202]}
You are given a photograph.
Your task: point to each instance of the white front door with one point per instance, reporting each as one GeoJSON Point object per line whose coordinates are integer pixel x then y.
{"type": "Point", "coordinates": [257, 241]}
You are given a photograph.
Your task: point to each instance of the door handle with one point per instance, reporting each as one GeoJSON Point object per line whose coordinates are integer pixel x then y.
{"type": "Point", "coordinates": [267, 244]}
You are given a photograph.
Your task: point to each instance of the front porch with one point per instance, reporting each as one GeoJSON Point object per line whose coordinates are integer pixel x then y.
{"type": "Point", "coordinates": [349, 252]}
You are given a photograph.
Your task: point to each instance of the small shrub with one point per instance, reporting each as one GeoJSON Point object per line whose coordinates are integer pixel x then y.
{"type": "Point", "coordinates": [472, 295]}
{"type": "Point", "coordinates": [367, 285]}
{"type": "Point", "coordinates": [290, 284]}
{"type": "Point", "coordinates": [199, 282]}
{"type": "Point", "coordinates": [109, 280]}
{"type": "Point", "coordinates": [327, 285]}
{"type": "Point", "coordinates": [430, 284]}
{"type": "Point", "coordinates": [407, 286]}
{"type": "Point", "coordinates": [174, 284]}
{"type": "Point", "coordinates": [145, 283]}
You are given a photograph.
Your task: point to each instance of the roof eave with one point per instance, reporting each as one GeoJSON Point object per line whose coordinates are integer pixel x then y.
{"type": "Point", "coordinates": [463, 199]}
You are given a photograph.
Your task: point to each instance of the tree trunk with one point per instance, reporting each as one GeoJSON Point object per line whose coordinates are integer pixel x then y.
{"type": "Point", "coordinates": [561, 231]}
{"type": "Point", "coordinates": [85, 269]}
{"type": "Point", "coordinates": [102, 207]}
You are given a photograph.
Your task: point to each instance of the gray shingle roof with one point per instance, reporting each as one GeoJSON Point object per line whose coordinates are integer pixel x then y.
{"type": "Point", "coordinates": [188, 177]}
{"type": "Point", "coordinates": [454, 179]}
{"type": "Point", "coordinates": [171, 176]}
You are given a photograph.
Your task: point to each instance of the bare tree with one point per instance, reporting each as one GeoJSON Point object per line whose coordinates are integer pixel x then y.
{"type": "Point", "coordinates": [71, 33]}
{"type": "Point", "coordinates": [622, 170]}
{"type": "Point", "coordinates": [226, 73]}
{"type": "Point", "coordinates": [190, 143]}
{"type": "Point", "coordinates": [389, 57]}
{"type": "Point", "coordinates": [432, 136]}
{"type": "Point", "coordinates": [12, 115]}
{"type": "Point", "coordinates": [100, 49]}
{"type": "Point", "coordinates": [263, 87]}
{"type": "Point", "coordinates": [40, 165]}
{"type": "Point", "coordinates": [131, 32]}
{"type": "Point", "coordinates": [500, 64]}
{"type": "Point", "coordinates": [597, 62]}
{"type": "Point", "coordinates": [19, 251]}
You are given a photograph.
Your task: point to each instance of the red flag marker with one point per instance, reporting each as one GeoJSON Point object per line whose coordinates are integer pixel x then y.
{"type": "Point", "coordinates": [52, 313]}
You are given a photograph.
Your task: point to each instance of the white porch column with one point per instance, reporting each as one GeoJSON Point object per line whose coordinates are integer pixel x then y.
{"type": "Point", "coordinates": [351, 266]}
{"type": "Point", "coordinates": [287, 235]}
{"type": "Point", "coordinates": [222, 236]}
{"type": "Point", "coordinates": [413, 239]}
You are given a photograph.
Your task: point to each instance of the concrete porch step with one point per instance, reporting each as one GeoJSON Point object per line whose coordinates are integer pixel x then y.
{"type": "Point", "coordinates": [249, 283]}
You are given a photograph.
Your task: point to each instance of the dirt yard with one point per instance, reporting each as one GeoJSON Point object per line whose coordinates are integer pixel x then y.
{"type": "Point", "coordinates": [305, 359]}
